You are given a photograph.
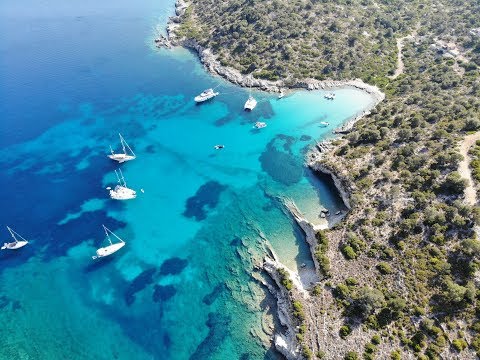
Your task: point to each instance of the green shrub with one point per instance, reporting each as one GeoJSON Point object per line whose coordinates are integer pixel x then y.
{"type": "Point", "coordinates": [285, 279]}
{"type": "Point", "coordinates": [317, 290]}
{"type": "Point", "coordinates": [376, 339]}
{"type": "Point", "coordinates": [459, 344]}
{"type": "Point", "coordinates": [349, 253]}
{"type": "Point", "coordinates": [384, 268]}
{"type": "Point", "coordinates": [395, 355]}
{"type": "Point", "coordinates": [298, 310]}
{"type": "Point", "coordinates": [351, 281]}
{"type": "Point", "coordinates": [351, 355]}
{"type": "Point", "coordinates": [306, 352]}
{"type": "Point", "coordinates": [370, 348]}
{"type": "Point", "coordinates": [344, 331]}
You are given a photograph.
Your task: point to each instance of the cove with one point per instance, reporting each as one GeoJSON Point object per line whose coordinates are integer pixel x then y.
{"type": "Point", "coordinates": [74, 76]}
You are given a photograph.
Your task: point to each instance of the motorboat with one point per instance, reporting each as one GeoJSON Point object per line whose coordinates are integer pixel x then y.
{"type": "Point", "coordinates": [205, 95]}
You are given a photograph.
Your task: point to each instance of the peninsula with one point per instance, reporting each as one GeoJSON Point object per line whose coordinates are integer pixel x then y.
{"type": "Point", "coordinates": [400, 274]}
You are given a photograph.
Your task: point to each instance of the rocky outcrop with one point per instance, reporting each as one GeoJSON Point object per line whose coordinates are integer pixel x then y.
{"type": "Point", "coordinates": [285, 342]}
{"type": "Point", "coordinates": [315, 160]}
{"type": "Point", "coordinates": [308, 229]}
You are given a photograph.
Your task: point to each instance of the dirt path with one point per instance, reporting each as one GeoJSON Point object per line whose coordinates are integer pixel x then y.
{"type": "Point", "coordinates": [464, 169]}
{"type": "Point", "coordinates": [400, 66]}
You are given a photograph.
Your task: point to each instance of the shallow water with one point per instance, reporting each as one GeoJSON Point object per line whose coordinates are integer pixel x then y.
{"type": "Point", "coordinates": [72, 77]}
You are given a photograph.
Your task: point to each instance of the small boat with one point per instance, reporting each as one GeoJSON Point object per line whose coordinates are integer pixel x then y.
{"type": "Point", "coordinates": [250, 104]}
{"type": "Point", "coordinates": [17, 244]}
{"type": "Point", "coordinates": [338, 212]}
{"type": "Point", "coordinates": [110, 249]}
{"type": "Point", "coordinates": [259, 125]}
{"type": "Point", "coordinates": [218, 147]}
{"type": "Point", "coordinates": [281, 94]}
{"type": "Point", "coordinates": [329, 96]}
{"type": "Point", "coordinates": [324, 123]}
{"type": "Point", "coordinates": [122, 192]}
{"type": "Point", "coordinates": [205, 95]}
{"type": "Point", "coordinates": [122, 157]}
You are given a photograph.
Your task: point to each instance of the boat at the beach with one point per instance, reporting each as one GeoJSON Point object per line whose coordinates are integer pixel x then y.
{"type": "Point", "coordinates": [219, 147]}
{"type": "Point", "coordinates": [17, 244]}
{"type": "Point", "coordinates": [121, 191]}
{"type": "Point", "coordinates": [250, 104]}
{"type": "Point", "coordinates": [324, 123]}
{"type": "Point", "coordinates": [110, 249]}
{"type": "Point", "coordinates": [205, 95]}
{"type": "Point", "coordinates": [329, 96]}
{"type": "Point", "coordinates": [281, 94]}
{"type": "Point", "coordinates": [260, 125]}
{"type": "Point", "coordinates": [122, 157]}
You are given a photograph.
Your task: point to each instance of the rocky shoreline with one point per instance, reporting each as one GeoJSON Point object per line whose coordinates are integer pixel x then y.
{"type": "Point", "coordinates": [214, 66]}
{"type": "Point", "coordinates": [285, 341]}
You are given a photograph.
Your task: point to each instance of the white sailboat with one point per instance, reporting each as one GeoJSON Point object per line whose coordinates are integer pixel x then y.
{"type": "Point", "coordinates": [121, 191]}
{"type": "Point", "coordinates": [250, 104]}
{"type": "Point", "coordinates": [17, 244]}
{"type": "Point", "coordinates": [110, 249]}
{"type": "Point", "coordinates": [122, 157]}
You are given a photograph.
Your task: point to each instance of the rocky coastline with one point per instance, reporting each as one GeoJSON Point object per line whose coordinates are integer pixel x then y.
{"type": "Point", "coordinates": [285, 340]}
{"type": "Point", "coordinates": [214, 66]}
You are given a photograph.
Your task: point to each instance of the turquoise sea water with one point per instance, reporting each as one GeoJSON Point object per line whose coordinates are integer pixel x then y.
{"type": "Point", "coordinates": [72, 76]}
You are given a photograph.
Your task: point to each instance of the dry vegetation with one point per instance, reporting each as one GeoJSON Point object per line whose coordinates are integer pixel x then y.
{"type": "Point", "coordinates": [403, 268]}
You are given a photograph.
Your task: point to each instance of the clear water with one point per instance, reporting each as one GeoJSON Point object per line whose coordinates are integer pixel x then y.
{"type": "Point", "coordinates": [74, 74]}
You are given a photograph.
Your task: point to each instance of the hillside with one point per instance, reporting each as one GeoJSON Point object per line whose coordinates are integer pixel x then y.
{"type": "Point", "coordinates": [401, 271]}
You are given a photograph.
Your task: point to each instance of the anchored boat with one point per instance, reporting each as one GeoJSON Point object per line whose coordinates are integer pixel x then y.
{"type": "Point", "coordinates": [121, 191]}
{"type": "Point", "coordinates": [250, 104]}
{"type": "Point", "coordinates": [260, 125]}
{"type": "Point", "coordinates": [330, 96]}
{"type": "Point", "coordinates": [205, 95]}
{"type": "Point", "coordinates": [122, 157]}
{"type": "Point", "coordinates": [110, 249]}
{"type": "Point", "coordinates": [14, 245]}
{"type": "Point", "coordinates": [324, 123]}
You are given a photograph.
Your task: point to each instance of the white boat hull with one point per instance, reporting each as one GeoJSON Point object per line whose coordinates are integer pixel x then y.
{"type": "Point", "coordinates": [121, 157]}
{"type": "Point", "coordinates": [122, 193]}
{"type": "Point", "coordinates": [14, 245]}
{"type": "Point", "coordinates": [250, 104]}
{"type": "Point", "coordinates": [108, 250]}
{"type": "Point", "coordinates": [199, 99]}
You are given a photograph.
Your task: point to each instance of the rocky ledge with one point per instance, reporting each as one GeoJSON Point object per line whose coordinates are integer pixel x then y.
{"type": "Point", "coordinates": [285, 342]}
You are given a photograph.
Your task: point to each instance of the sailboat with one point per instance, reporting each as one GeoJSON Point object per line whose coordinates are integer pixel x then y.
{"type": "Point", "coordinates": [110, 249]}
{"type": "Point", "coordinates": [122, 157]}
{"type": "Point", "coordinates": [250, 104]}
{"type": "Point", "coordinates": [121, 192]}
{"type": "Point", "coordinates": [17, 244]}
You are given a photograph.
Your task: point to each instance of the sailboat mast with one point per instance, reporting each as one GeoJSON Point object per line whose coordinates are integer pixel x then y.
{"type": "Point", "coordinates": [122, 178]}
{"type": "Point", "coordinates": [125, 144]}
{"type": "Point", "coordinates": [118, 177]}
{"type": "Point", "coordinates": [12, 233]}
{"type": "Point", "coordinates": [122, 141]}
{"type": "Point", "coordinates": [106, 233]}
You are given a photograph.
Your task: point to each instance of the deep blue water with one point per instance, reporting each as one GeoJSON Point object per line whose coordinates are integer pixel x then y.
{"type": "Point", "coordinates": [73, 75]}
